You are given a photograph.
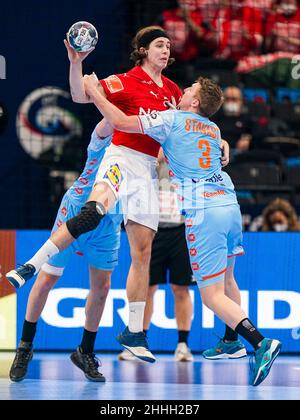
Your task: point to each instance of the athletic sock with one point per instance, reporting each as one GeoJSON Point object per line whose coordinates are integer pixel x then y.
{"type": "Point", "coordinates": [48, 250]}
{"type": "Point", "coordinates": [136, 316]}
{"type": "Point", "coordinates": [183, 336]}
{"type": "Point", "coordinates": [230, 335]}
{"type": "Point", "coordinates": [88, 342]}
{"type": "Point", "coordinates": [29, 330]}
{"type": "Point", "coordinates": [248, 331]}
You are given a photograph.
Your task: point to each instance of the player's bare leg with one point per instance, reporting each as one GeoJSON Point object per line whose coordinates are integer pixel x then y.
{"type": "Point", "coordinates": [99, 289]}
{"type": "Point", "coordinates": [149, 307]}
{"type": "Point", "coordinates": [39, 295]}
{"type": "Point", "coordinates": [100, 201]}
{"type": "Point", "coordinates": [84, 357]}
{"type": "Point", "coordinates": [35, 305]}
{"type": "Point", "coordinates": [229, 347]}
{"type": "Point", "coordinates": [133, 338]}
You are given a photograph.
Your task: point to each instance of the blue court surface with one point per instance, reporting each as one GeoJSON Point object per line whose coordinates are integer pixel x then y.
{"type": "Point", "coordinates": [52, 376]}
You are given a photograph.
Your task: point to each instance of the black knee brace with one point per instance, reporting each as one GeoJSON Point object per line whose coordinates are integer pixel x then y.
{"type": "Point", "coordinates": [88, 219]}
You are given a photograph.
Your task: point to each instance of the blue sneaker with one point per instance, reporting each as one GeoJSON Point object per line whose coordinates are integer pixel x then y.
{"type": "Point", "coordinates": [232, 350]}
{"type": "Point", "coordinates": [136, 344]}
{"type": "Point", "coordinates": [264, 359]}
{"type": "Point", "coordinates": [21, 275]}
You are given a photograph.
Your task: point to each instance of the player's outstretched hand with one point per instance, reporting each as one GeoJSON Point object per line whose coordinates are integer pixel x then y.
{"type": "Point", "coordinates": [74, 56]}
{"type": "Point", "coordinates": [225, 153]}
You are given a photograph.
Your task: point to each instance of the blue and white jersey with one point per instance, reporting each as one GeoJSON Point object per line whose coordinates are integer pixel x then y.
{"type": "Point", "coordinates": [192, 146]}
{"type": "Point", "coordinates": [79, 192]}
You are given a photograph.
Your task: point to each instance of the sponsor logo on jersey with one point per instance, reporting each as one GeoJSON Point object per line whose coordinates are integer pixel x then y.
{"type": "Point", "coordinates": [114, 84]}
{"type": "Point", "coordinates": [214, 194]}
{"type": "Point", "coordinates": [215, 178]}
{"type": "Point", "coordinates": [114, 176]}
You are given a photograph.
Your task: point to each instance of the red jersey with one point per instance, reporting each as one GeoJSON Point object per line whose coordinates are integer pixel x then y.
{"type": "Point", "coordinates": [185, 45]}
{"type": "Point", "coordinates": [135, 93]}
{"type": "Point", "coordinates": [280, 26]}
{"type": "Point", "coordinates": [229, 25]}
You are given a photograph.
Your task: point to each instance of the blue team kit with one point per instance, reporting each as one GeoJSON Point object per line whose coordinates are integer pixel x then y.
{"type": "Point", "coordinates": [101, 245]}
{"type": "Point", "coordinates": [206, 195]}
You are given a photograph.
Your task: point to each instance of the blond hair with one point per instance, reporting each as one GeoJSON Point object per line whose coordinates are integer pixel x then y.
{"type": "Point", "coordinates": [210, 96]}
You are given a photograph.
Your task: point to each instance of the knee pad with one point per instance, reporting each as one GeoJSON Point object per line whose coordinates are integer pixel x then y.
{"type": "Point", "coordinates": [88, 219]}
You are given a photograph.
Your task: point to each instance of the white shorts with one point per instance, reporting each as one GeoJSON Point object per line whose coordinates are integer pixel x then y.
{"type": "Point", "coordinates": [133, 178]}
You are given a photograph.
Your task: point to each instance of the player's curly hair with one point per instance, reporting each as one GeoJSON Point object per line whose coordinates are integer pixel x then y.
{"type": "Point", "coordinates": [138, 56]}
{"type": "Point", "coordinates": [210, 96]}
{"type": "Point", "coordinates": [279, 204]}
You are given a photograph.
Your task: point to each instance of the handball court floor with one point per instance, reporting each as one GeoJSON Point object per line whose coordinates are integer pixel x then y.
{"type": "Point", "coordinates": [52, 376]}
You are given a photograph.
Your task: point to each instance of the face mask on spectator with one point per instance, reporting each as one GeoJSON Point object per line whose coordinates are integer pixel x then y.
{"type": "Point", "coordinates": [288, 9]}
{"type": "Point", "coordinates": [280, 227]}
{"type": "Point", "coordinates": [231, 107]}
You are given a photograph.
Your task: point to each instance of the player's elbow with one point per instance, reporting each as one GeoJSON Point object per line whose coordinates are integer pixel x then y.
{"type": "Point", "coordinates": [120, 125]}
{"type": "Point", "coordinates": [79, 99]}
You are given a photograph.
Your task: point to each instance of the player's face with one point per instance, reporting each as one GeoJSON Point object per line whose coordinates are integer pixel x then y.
{"type": "Point", "coordinates": [159, 52]}
{"type": "Point", "coordinates": [189, 96]}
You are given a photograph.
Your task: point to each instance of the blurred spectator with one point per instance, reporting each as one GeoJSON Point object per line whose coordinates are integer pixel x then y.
{"type": "Point", "coordinates": [235, 126]}
{"type": "Point", "coordinates": [280, 216]}
{"type": "Point", "coordinates": [186, 28]}
{"type": "Point", "coordinates": [265, 5]}
{"type": "Point", "coordinates": [238, 30]}
{"type": "Point", "coordinates": [283, 27]}
{"type": "Point", "coordinates": [208, 8]}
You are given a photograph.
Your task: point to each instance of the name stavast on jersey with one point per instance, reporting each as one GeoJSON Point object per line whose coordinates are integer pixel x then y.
{"type": "Point", "coordinates": [111, 410]}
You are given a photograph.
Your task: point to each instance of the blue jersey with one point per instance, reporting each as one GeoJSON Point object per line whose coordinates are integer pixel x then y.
{"type": "Point", "coordinates": [192, 146]}
{"type": "Point", "coordinates": [79, 192]}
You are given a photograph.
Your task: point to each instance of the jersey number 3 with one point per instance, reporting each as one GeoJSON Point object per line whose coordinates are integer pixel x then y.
{"type": "Point", "coordinates": [205, 160]}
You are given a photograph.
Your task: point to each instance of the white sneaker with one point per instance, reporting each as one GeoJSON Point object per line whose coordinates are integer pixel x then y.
{"type": "Point", "coordinates": [183, 353]}
{"type": "Point", "coordinates": [125, 355]}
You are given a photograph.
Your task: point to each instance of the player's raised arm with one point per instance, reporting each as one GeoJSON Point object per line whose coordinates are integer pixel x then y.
{"type": "Point", "coordinates": [75, 74]}
{"type": "Point", "coordinates": [112, 114]}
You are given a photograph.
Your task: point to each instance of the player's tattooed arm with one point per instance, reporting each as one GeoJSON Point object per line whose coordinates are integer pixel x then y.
{"type": "Point", "coordinates": [112, 114]}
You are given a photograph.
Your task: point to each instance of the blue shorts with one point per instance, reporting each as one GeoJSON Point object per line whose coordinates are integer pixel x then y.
{"type": "Point", "coordinates": [214, 237]}
{"type": "Point", "coordinates": [101, 246]}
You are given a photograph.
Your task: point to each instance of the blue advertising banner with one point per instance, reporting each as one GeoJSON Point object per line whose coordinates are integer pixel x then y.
{"type": "Point", "coordinates": [267, 276]}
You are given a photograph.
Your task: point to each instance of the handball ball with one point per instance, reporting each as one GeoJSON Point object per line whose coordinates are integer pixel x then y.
{"type": "Point", "coordinates": [82, 36]}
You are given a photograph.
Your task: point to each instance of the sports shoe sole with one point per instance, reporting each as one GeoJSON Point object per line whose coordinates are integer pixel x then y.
{"type": "Point", "coordinates": [14, 279]}
{"type": "Point", "coordinates": [79, 365]}
{"type": "Point", "coordinates": [238, 355]}
{"type": "Point", "coordinates": [144, 358]}
{"type": "Point", "coordinates": [263, 373]}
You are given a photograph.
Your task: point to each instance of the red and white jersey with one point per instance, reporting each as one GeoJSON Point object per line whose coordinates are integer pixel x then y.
{"type": "Point", "coordinates": [280, 27]}
{"type": "Point", "coordinates": [135, 93]}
